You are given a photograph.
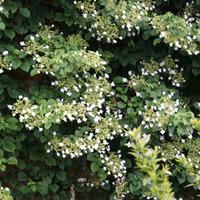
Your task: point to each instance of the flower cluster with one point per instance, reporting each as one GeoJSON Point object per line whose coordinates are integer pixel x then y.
{"type": "Point", "coordinates": [48, 112]}
{"type": "Point", "coordinates": [163, 109]}
{"type": "Point", "coordinates": [100, 26]}
{"type": "Point", "coordinates": [190, 12]}
{"type": "Point", "coordinates": [186, 153]}
{"type": "Point", "coordinates": [167, 67]}
{"type": "Point", "coordinates": [182, 147]}
{"type": "Point", "coordinates": [4, 63]}
{"type": "Point", "coordinates": [92, 89]}
{"type": "Point", "coordinates": [122, 15]}
{"type": "Point", "coordinates": [87, 7]}
{"type": "Point", "coordinates": [95, 139]}
{"type": "Point", "coordinates": [132, 15]}
{"type": "Point", "coordinates": [52, 59]}
{"type": "Point", "coordinates": [121, 190]}
{"type": "Point", "coordinates": [1, 1]}
{"type": "Point", "coordinates": [190, 169]}
{"type": "Point", "coordinates": [176, 32]}
{"type": "Point", "coordinates": [167, 115]}
{"type": "Point", "coordinates": [5, 193]}
{"type": "Point", "coordinates": [114, 165]}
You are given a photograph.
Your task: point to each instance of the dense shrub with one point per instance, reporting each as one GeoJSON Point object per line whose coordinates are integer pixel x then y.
{"type": "Point", "coordinates": [99, 99]}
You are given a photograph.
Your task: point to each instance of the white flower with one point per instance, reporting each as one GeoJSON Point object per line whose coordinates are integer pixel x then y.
{"type": "Point", "coordinates": [5, 52]}
{"type": "Point", "coordinates": [54, 133]}
{"type": "Point", "coordinates": [10, 107]}
{"type": "Point", "coordinates": [1, 8]}
{"type": "Point", "coordinates": [22, 43]}
{"type": "Point", "coordinates": [162, 131]}
{"type": "Point", "coordinates": [162, 34]}
{"type": "Point", "coordinates": [32, 38]}
{"type": "Point", "coordinates": [78, 121]}
{"type": "Point", "coordinates": [106, 76]}
{"type": "Point", "coordinates": [1, 71]}
{"type": "Point", "coordinates": [124, 80]}
{"type": "Point", "coordinates": [190, 136]}
{"type": "Point", "coordinates": [125, 126]}
{"type": "Point", "coordinates": [85, 15]}
{"type": "Point", "coordinates": [112, 84]}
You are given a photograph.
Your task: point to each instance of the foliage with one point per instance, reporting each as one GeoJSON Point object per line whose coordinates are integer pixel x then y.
{"type": "Point", "coordinates": [156, 179]}
{"type": "Point", "coordinates": [76, 80]}
{"type": "Point", "coordinates": [5, 194]}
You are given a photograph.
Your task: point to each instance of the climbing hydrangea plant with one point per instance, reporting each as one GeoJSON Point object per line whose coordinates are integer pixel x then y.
{"type": "Point", "coordinates": [99, 100]}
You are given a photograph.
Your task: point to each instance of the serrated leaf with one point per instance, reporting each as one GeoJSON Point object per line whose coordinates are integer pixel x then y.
{"type": "Point", "coordinates": [2, 26]}
{"type": "Point", "coordinates": [33, 72]}
{"type": "Point", "coordinates": [25, 66]}
{"type": "Point", "coordinates": [25, 12]}
{"type": "Point", "coordinates": [60, 175]}
{"type": "Point", "coordinates": [16, 63]}
{"type": "Point", "coordinates": [8, 146]}
{"type": "Point", "coordinates": [156, 41]}
{"type": "Point", "coordinates": [50, 161]}
{"type": "Point", "coordinates": [94, 167]}
{"type": "Point", "coordinates": [91, 157]}
{"type": "Point", "coordinates": [10, 33]}
{"type": "Point", "coordinates": [12, 161]}
{"type": "Point", "coordinates": [42, 188]}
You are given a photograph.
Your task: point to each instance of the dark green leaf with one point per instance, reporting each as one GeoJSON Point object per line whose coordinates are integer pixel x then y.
{"type": "Point", "coordinates": [25, 12]}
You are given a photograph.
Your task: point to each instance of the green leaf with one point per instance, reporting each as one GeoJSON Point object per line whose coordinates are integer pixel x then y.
{"type": "Point", "coordinates": [21, 164]}
{"type": "Point", "coordinates": [5, 12]}
{"type": "Point", "coordinates": [34, 156]}
{"type": "Point", "coordinates": [61, 175]}
{"type": "Point", "coordinates": [47, 124]}
{"type": "Point", "coordinates": [25, 66]}
{"type": "Point", "coordinates": [118, 79]}
{"type": "Point", "coordinates": [33, 188]}
{"type": "Point", "coordinates": [42, 187]}
{"type": "Point", "coordinates": [91, 157]}
{"type": "Point", "coordinates": [156, 41]}
{"type": "Point", "coordinates": [2, 26]}
{"type": "Point", "coordinates": [12, 161]}
{"type": "Point", "coordinates": [22, 176]}
{"type": "Point", "coordinates": [24, 189]}
{"type": "Point", "coordinates": [2, 168]}
{"type": "Point", "coordinates": [10, 33]}
{"type": "Point", "coordinates": [103, 175]}
{"type": "Point", "coordinates": [13, 7]}
{"type": "Point", "coordinates": [33, 72]}
{"type": "Point", "coordinates": [54, 187]}
{"type": "Point", "coordinates": [198, 2]}
{"type": "Point", "coordinates": [146, 35]}
{"type": "Point", "coordinates": [25, 12]}
{"type": "Point", "coordinates": [181, 179]}
{"type": "Point", "coordinates": [8, 146]}
{"type": "Point", "coordinates": [16, 63]}
{"type": "Point", "coordinates": [68, 21]}
{"type": "Point", "coordinates": [1, 153]}
{"type": "Point", "coordinates": [94, 167]}
{"type": "Point", "coordinates": [121, 105]}
{"type": "Point", "coordinates": [60, 16]}
{"type": "Point", "coordinates": [50, 161]}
